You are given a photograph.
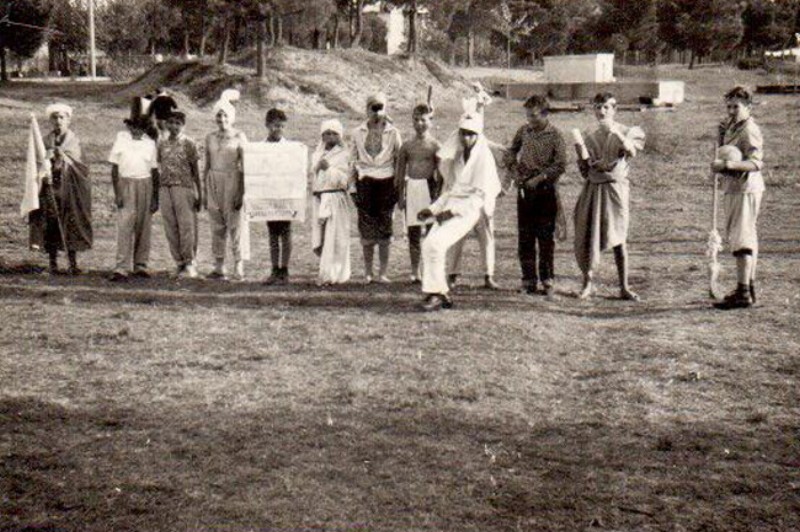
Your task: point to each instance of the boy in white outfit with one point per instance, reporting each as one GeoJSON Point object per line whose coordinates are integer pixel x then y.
{"type": "Point", "coordinates": [467, 163]}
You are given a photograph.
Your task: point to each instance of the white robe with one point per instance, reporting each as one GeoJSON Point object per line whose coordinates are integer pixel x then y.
{"type": "Point", "coordinates": [473, 190]}
{"type": "Point", "coordinates": [331, 214]}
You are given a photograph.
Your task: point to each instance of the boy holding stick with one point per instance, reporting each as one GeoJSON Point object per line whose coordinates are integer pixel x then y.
{"type": "Point", "coordinates": [602, 211]}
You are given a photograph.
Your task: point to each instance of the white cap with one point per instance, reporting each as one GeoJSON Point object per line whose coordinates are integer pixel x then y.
{"type": "Point", "coordinates": [332, 125]}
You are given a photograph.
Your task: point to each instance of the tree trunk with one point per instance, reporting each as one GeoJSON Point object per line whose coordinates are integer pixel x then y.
{"type": "Point", "coordinates": [186, 42]}
{"type": "Point", "coordinates": [470, 48]}
{"type": "Point", "coordinates": [691, 60]}
{"type": "Point", "coordinates": [412, 28]}
{"type": "Point", "coordinates": [335, 40]}
{"type": "Point", "coordinates": [203, 36]}
{"type": "Point", "coordinates": [261, 70]}
{"type": "Point", "coordinates": [359, 19]}
{"type": "Point", "coordinates": [222, 56]}
{"type": "Point", "coordinates": [278, 30]}
{"type": "Point", "coordinates": [271, 28]}
{"type": "Point", "coordinates": [3, 64]}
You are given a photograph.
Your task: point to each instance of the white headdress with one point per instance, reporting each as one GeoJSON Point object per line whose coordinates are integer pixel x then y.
{"type": "Point", "coordinates": [60, 108]}
{"type": "Point", "coordinates": [332, 125]}
{"type": "Point", "coordinates": [225, 103]}
{"type": "Point", "coordinates": [472, 119]}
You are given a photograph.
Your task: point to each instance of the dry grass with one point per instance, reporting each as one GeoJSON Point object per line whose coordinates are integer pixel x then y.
{"type": "Point", "coordinates": [164, 405]}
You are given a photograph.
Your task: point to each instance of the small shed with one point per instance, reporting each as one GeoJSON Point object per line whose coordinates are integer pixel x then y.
{"type": "Point", "coordinates": [588, 68]}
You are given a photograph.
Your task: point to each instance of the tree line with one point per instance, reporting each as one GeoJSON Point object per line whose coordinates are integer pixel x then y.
{"type": "Point", "coordinates": [511, 31]}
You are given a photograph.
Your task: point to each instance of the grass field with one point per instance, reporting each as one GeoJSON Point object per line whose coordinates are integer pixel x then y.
{"type": "Point", "coordinates": [167, 405]}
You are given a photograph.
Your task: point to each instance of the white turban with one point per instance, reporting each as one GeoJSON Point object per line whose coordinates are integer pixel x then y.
{"type": "Point", "coordinates": [60, 108]}
{"type": "Point", "coordinates": [332, 125]}
{"type": "Point", "coordinates": [471, 121]}
{"type": "Point", "coordinates": [224, 104]}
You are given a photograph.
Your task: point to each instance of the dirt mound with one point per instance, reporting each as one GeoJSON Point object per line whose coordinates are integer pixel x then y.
{"type": "Point", "coordinates": [308, 82]}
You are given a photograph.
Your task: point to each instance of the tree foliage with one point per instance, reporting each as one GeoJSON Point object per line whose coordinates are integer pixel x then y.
{"type": "Point", "coordinates": [521, 30]}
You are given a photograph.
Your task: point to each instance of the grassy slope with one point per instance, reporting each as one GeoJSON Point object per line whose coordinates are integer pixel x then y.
{"type": "Point", "coordinates": [183, 406]}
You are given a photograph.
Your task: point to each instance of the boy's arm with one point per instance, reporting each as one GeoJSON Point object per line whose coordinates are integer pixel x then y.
{"type": "Point", "coordinates": [513, 150]}
{"type": "Point", "coordinates": [400, 175]}
{"type": "Point", "coordinates": [115, 184]}
{"type": "Point", "coordinates": [154, 201]}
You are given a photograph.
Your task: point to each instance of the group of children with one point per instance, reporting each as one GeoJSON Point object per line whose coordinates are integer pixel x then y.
{"type": "Point", "coordinates": [445, 191]}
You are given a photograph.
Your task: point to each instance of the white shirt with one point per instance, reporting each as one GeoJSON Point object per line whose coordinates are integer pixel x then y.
{"type": "Point", "coordinates": [134, 158]}
{"type": "Point", "coordinates": [382, 165]}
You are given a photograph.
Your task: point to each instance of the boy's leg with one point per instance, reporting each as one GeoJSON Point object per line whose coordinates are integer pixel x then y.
{"type": "Point", "coordinates": [274, 245]}
{"type": "Point", "coordinates": [435, 251]}
{"type": "Point", "coordinates": [234, 222]}
{"type": "Point", "coordinates": [621, 259]}
{"type": "Point", "coordinates": [219, 236]}
{"type": "Point", "coordinates": [286, 245]}
{"type": "Point", "coordinates": [485, 230]}
{"type": "Point", "coordinates": [143, 226]}
{"type": "Point", "coordinates": [454, 257]}
{"type": "Point", "coordinates": [169, 219]}
{"type": "Point", "coordinates": [126, 227]}
{"type": "Point", "coordinates": [414, 248]}
{"type": "Point", "coordinates": [526, 245]}
{"type": "Point", "coordinates": [545, 237]}
{"type": "Point", "coordinates": [368, 248]}
{"type": "Point", "coordinates": [383, 256]}
{"type": "Point", "coordinates": [186, 218]}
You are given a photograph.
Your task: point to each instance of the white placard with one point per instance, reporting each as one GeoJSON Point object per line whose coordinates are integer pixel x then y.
{"type": "Point", "coordinates": [275, 175]}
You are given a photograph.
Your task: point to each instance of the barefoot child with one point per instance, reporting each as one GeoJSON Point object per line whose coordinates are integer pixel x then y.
{"type": "Point", "coordinates": [330, 237]}
{"type": "Point", "coordinates": [744, 186]}
{"type": "Point", "coordinates": [280, 231]}
{"type": "Point", "coordinates": [376, 143]}
{"type": "Point", "coordinates": [134, 176]}
{"type": "Point", "coordinates": [224, 185]}
{"type": "Point", "coordinates": [418, 181]}
{"type": "Point", "coordinates": [180, 193]}
{"type": "Point", "coordinates": [537, 158]}
{"type": "Point", "coordinates": [603, 208]}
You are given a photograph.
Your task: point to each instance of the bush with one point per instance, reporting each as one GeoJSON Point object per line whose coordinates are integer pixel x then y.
{"type": "Point", "coordinates": [750, 63]}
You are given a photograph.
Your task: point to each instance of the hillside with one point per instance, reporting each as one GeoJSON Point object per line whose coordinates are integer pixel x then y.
{"type": "Point", "coordinates": [307, 82]}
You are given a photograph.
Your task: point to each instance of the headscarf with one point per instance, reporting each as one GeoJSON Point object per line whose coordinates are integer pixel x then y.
{"type": "Point", "coordinates": [60, 108]}
{"type": "Point", "coordinates": [331, 125]}
{"type": "Point", "coordinates": [225, 104]}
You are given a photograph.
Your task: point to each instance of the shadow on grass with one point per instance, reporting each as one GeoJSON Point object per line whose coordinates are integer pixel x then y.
{"type": "Point", "coordinates": [386, 467]}
{"type": "Point", "coordinates": [94, 287]}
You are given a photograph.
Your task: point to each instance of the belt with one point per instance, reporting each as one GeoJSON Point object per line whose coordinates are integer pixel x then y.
{"type": "Point", "coordinates": [332, 191]}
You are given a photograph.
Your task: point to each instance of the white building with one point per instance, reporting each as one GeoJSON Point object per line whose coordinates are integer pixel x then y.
{"type": "Point", "coordinates": [588, 68]}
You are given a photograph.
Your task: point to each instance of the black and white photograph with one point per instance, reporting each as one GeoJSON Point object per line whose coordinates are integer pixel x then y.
{"type": "Point", "coordinates": [399, 265]}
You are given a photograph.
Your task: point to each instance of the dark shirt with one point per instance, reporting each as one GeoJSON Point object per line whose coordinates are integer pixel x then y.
{"type": "Point", "coordinates": [538, 152]}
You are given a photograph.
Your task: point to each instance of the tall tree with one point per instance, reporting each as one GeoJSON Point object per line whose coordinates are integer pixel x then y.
{"type": "Point", "coordinates": [22, 30]}
{"type": "Point", "coordinates": [768, 24]}
{"type": "Point", "coordinates": [701, 27]}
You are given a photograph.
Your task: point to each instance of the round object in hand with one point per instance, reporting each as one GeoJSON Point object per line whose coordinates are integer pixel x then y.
{"type": "Point", "coordinates": [729, 153]}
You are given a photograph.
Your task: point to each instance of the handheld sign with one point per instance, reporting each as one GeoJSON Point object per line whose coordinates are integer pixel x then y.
{"type": "Point", "coordinates": [275, 175]}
